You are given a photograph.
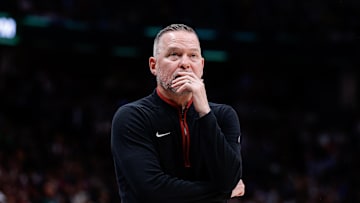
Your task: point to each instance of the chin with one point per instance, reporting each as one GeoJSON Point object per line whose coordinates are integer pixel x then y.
{"type": "Point", "coordinates": [180, 93]}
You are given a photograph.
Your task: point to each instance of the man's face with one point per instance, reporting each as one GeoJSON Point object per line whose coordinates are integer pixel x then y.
{"type": "Point", "coordinates": [177, 51]}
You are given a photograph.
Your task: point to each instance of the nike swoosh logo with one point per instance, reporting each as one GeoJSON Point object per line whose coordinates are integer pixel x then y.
{"type": "Point", "coordinates": [162, 135]}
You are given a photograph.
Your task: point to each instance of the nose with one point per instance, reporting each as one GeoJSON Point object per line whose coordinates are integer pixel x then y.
{"type": "Point", "coordinates": [185, 62]}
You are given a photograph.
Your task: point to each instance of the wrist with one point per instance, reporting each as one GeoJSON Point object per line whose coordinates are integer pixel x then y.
{"type": "Point", "coordinates": [203, 113]}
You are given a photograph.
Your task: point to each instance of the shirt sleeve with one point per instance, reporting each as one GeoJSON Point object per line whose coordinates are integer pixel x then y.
{"type": "Point", "coordinates": [137, 165]}
{"type": "Point", "coordinates": [220, 144]}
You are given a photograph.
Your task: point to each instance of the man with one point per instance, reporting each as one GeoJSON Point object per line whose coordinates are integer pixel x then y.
{"type": "Point", "coordinates": [173, 145]}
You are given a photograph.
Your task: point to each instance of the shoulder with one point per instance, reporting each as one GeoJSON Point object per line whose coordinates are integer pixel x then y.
{"type": "Point", "coordinates": [221, 108]}
{"type": "Point", "coordinates": [134, 109]}
{"type": "Point", "coordinates": [224, 112]}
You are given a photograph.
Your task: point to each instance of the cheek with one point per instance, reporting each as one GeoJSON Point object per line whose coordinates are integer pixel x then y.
{"type": "Point", "coordinates": [198, 68]}
{"type": "Point", "coordinates": [163, 74]}
{"type": "Point", "coordinates": [199, 72]}
{"type": "Point", "coordinates": [166, 70]}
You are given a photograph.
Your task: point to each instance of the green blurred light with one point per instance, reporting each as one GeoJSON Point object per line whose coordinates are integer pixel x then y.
{"type": "Point", "coordinates": [75, 25]}
{"type": "Point", "coordinates": [151, 31]}
{"type": "Point", "coordinates": [215, 55]}
{"type": "Point", "coordinates": [4, 14]}
{"type": "Point", "coordinates": [206, 34]}
{"type": "Point", "coordinates": [36, 21]}
{"type": "Point", "coordinates": [245, 36]}
{"type": "Point", "coordinates": [125, 51]}
{"type": "Point", "coordinates": [10, 42]}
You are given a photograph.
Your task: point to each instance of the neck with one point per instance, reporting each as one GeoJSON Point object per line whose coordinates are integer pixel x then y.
{"type": "Point", "coordinates": [180, 100]}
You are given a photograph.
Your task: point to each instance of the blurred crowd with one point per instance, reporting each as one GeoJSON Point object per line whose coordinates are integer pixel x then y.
{"type": "Point", "coordinates": [300, 132]}
{"type": "Point", "coordinates": [54, 135]}
{"type": "Point", "coordinates": [300, 126]}
{"type": "Point", "coordinates": [228, 14]}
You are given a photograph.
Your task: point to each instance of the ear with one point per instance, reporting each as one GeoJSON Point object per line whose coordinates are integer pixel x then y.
{"type": "Point", "coordinates": [152, 65]}
{"type": "Point", "coordinates": [203, 65]}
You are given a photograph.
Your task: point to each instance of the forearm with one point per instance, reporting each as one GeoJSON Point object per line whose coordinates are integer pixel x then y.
{"type": "Point", "coordinates": [139, 170]}
{"type": "Point", "coordinates": [221, 152]}
{"type": "Point", "coordinates": [152, 184]}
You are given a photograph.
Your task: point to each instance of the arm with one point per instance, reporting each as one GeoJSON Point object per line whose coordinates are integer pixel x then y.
{"type": "Point", "coordinates": [137, 163]}
{"type": "Point", "coordinates": [220, 133]}
{"type": "Point", "coordinates": [221, 146]}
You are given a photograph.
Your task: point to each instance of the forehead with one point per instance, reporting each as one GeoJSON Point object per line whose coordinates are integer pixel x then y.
{"type": "Point", "coordinates": [179, 39]}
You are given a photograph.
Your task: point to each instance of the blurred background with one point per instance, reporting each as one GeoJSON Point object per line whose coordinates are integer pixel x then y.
{"type": "Point", "coordinates": [289, 68]}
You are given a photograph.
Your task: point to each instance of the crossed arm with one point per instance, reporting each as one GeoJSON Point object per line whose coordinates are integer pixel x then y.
{"type": "Point", "coordinates": [133, 149]}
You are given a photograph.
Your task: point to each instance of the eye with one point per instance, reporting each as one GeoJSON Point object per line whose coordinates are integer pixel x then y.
{"type": "Point", "coordinates": [174, 55]}
{"type": "Point", "coordinates": [194, 56]}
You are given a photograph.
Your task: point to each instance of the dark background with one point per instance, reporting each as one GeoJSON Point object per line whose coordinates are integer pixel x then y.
{"type": "Point", "coordinates": [289, 68]}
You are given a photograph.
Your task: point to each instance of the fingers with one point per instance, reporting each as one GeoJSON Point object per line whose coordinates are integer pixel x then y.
{"type": "Point", "coordinates": [187, 81]}
{"type": "Point", "coordinates": [239, 189]}
{"type": "Point", "coordinates": [186, 77]}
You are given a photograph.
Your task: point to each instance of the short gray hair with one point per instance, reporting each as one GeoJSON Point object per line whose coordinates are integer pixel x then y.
{"type": "Point", "coordinates": [170, 28]}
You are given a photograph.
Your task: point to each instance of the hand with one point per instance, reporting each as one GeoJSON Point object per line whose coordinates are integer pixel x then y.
{"type": "Point", "coordinates": [239, 189]}
{"type": "Point", "coordinates": [188, 81]}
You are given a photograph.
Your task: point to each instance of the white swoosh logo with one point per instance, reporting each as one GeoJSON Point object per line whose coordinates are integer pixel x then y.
{"type": "Point", "coordinates": [162, 135]}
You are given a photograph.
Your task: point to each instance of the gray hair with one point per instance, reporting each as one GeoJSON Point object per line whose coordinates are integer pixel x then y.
{"type": "Point", "coordinates": [170, 28]}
